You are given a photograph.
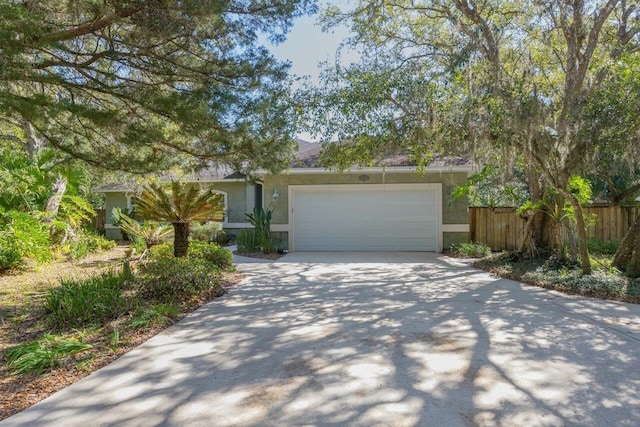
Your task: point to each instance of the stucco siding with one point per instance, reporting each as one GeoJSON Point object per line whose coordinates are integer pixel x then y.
{"type": "Point", "coordinates": [449, 238]}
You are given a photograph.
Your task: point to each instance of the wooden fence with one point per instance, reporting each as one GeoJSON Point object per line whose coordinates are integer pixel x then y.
{"type": "Point", "coordinates": [501, 228]}
{"type": "Point", "coordinates": [98, 221]}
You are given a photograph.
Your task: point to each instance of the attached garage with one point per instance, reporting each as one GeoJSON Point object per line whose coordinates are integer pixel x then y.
{"type": "Point", "coordinates": [368, 217]}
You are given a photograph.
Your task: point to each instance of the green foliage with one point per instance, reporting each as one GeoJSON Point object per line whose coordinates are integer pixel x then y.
{"type": "Point", "coordinates": [213, 253]}
{"type": "Point", "coordinates": [81, 302]}
{"type": "Point", "coordinates": [10, 257]}
{"type": "Point", "coordinates": [261, 221]}
{"type": "Point", "coordinates": [486, 188]}
{"type": "Point", "coordinates": [152, 233]}
{"type": "Point", "coordinates": [178, 279]}
{"type": "Point", "coordinates": [183, 202]}
{"type": "Point", "coordinates": [84, 243]}
{"type": "Point", "coordinates": [581, 188]}
{"type": "Point", "coordinates": [564, 276]}
{"type": "Point", "coordinates": [181, 205]}
{"type": "Point", "coordinates": [222, 238]}
{"type": "Point", "coordinates": [44, 354]}
{"type": "Point", "coordinates": [26, 234]}
{"type": "Point", "coordinates": [156, 314]}
{"type": "Point", "coordinates": [471, 250]}
{"type": "Point", "coordinates": [136, 103]}
{"type": "Point", "coordinates": [598, 247]}
{"type": "Point", "coordinates": [210, 252]}
{"type": "Point", "coordinates": [247, 241]}
{"type": "Point", "coordinates": [206, 232]}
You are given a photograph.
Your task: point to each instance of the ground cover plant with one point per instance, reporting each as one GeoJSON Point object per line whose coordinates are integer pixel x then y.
{"type": "Point", "coordinates": [470, 250]}
{"type": "Point", "coordinates": [552, 273]}
{"type": "Point", "coordinates": [56, 330]}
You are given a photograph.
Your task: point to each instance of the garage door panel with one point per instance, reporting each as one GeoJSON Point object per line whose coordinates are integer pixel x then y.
{"type": "Point", "coordinates": [365, 218]}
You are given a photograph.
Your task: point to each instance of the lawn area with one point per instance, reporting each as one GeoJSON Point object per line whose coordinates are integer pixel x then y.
{"type": "Point", "coordinates": [64, 320]}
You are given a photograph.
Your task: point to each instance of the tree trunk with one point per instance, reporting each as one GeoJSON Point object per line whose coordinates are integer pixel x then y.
{"type": "Point", "coordinates": [33, 143]}
{"type": "Point", "coordinates": [181, 239]}
{"type": "Point", "coordinates": [52, 204]}
{"type": "Point", "coordinates": [627, 258]}
{"type": "Point", "coordinates": [581, 226]}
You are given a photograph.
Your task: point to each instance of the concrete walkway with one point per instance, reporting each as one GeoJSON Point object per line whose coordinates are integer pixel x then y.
{"type": "Point", "coordinates": [371, 340]}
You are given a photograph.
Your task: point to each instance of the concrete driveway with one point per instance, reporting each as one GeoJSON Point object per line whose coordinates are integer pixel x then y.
{"type": "Point", "coordinates": [371, 340]}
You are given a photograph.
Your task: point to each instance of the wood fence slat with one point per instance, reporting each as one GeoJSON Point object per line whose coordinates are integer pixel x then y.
{"type": "Point", "coordinates": [501, 228]}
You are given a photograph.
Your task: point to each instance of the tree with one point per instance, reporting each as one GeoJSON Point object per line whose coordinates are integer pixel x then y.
{"type": "Point", "coordinates": [628, 256]}
{"type": "Point", "coordinates": [139, 85]}
{"type": "Point", "coordinates": [508, 80]}
{"type": "Point", "coordinates": [182, 205]}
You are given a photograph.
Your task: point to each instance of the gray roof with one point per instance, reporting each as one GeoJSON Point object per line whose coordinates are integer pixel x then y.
{"type": "Point", "coordinates": [308, 156]}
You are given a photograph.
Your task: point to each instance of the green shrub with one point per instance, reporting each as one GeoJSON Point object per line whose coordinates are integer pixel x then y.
{"type": "Point", "coordinates": [85, 243]}
{"type": "Point", "coordinates": [223, 238]}
{"type": "Point", "coordinates": [209, 252]}
{"type": "Point", "coordinates": [82, 302]}
{"type": "Point", "coordinates": [44, 354]}
{"type": "Point", "coordinates": [9, 254]}
{"type": "Point", "coordinates": [213, 253]}
{"type": "Point", "coordinates": [261, 221]}
{"type": "Point", "coordinates": [470, 249]}
{"type": "Point", "coordinates": [157, 314]}
{"type": "Point", "coordinates": [27, 234]}
{"type": "Point", "coordinates": [206, 232]}
{"type": "Point", "coordinates": [178, 279]}
{"type": "Point", "coordinates": [247, 241]}
{"type": "Point", "coordinates": [604, 248]}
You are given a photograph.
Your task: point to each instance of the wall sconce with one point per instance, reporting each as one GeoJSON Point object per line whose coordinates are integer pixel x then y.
{"type": "Point", "coordinates": [276, 195]}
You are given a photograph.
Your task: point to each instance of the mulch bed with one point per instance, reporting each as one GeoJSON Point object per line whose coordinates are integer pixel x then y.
{"type": "Point", "coordinates": [274, 256]}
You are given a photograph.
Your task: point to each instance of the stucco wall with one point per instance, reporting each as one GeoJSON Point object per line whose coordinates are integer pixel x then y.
{"type": "Point", "coordinates": [453, 212]}
{"type": "Point", "coordinates": [449, 238]}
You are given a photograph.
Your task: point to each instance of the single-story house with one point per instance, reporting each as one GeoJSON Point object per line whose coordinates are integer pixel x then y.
{"type": "Point", "coordinates": [389, 208]}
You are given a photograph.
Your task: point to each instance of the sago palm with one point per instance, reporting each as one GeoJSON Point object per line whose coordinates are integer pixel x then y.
{"type": "Point", "coordinates": [180, 206]}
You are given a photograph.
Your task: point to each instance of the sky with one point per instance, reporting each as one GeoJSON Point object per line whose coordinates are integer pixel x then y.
{"type": "Point", "coordinates": [307, 45]}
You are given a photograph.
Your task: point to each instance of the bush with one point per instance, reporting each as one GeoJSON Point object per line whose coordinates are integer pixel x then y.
{"type": "Point", "coordinates": [9, 255]}
{"type": "Point", "coordinates": [247, 241]}
{"type": "Point", "coordinates": [26, 235]}
{"type": "Point", "coordinates": [210, 252]}
{"type": "Point", "coordinates": [157, 314]}
{"type": "Point", "coordinates": [178, 279]}
{"type": "Point", "coordinates": [470, 250]}
{"type": "Point", "coordinates": [44, 354]}
{"type": "Point", "coordinates": [213, 253]}
{"type": "Point", "coordinates": [206, 232]}
{"type": "Point", "coordinates": [604, 248]}
{"type": "Point", "coordinates": [95, 300]}
{"type": "Point", "coordinates": [223, 238]}
{"type": "Point", "coordinates": [85, 243]}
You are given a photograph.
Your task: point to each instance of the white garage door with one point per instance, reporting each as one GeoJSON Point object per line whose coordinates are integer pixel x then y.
{"type": "Point", "coordinates": [365, 217]}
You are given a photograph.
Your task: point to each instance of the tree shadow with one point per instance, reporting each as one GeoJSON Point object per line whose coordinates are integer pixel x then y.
{"type": "Point", "coordinates": [427, 341]}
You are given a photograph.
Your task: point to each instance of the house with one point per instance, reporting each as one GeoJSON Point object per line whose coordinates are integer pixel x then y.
{"type": "Point", "coordinates": [388, 208]}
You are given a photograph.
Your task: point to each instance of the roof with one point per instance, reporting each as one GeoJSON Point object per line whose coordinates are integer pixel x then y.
{"type": "Point", "coordinates": [213, 173]}
{"type": "Point", "coordinates": [307, 157]}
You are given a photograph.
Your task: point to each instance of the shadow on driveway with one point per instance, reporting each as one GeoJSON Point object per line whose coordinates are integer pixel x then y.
{"type": "Point", "coordinates": [395, 339]}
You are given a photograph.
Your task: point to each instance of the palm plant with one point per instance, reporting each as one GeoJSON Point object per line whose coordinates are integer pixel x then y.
{"type": "Point", "coordinates": [180, 206]}
{"type": "Point", "coordinates": [150, 231]}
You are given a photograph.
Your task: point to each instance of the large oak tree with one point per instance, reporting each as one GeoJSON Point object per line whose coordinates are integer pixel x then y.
{"type": "Point", "coordinates": [499, 80]}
